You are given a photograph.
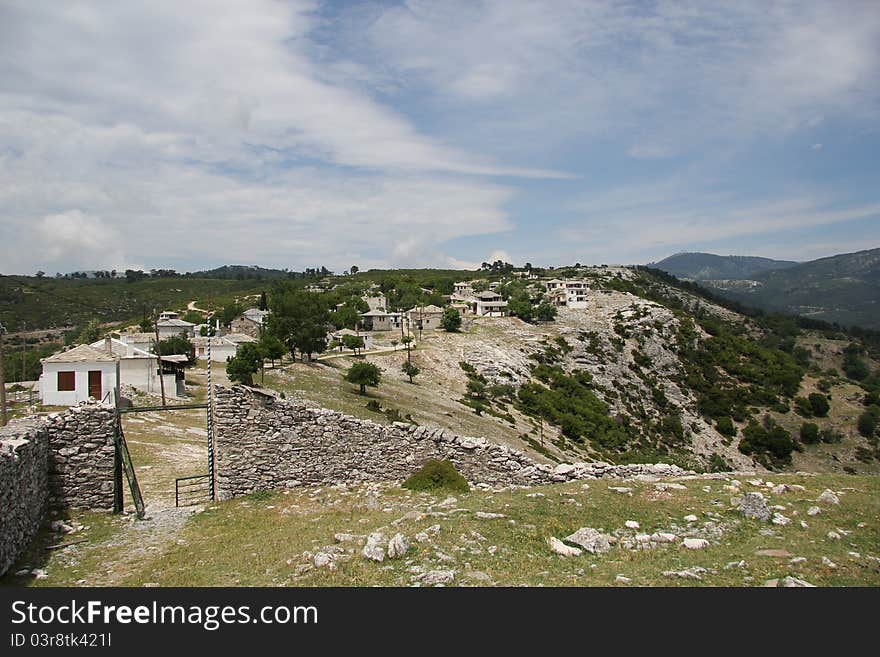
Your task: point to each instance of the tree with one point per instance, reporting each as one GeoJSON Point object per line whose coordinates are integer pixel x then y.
{"type": "Point", "coordinates": [146, 325]}
{"type": "Point", "coordinates": [353, 342]}
{"type": "Point", "coordinates": [91, 332]}
{"type": "Point", "coordinates": [264, 305]}
{"type": "Point", "coordinates": [300, 319]}
{"type": "Point", "coordinates": [451, 320]}
{"type": "Point", "coordinates": [194, 317]}
{"type": "Point", "coordinates": [244, 364]}
{"type": "Point", "coordinates": [230, 312]}
{"type": "Point", "coordinates": [177, 344]}
{"type": "Point", "coordinates": [809, 433]}
{"type": "Point", "coordinates": [40, 274]}
{"type": "Point", "coordinates": [546, 312]}
{"type": "Point", "coordinates": [819, 404]}
{"type": "Point", "coordinates": [354, 270]}
{"type": "Point", "coordinates": [406, 340]}
{"type": "Point", "coordinates": [410, 370]}
{"type": "Point", "coordinates": [867, 423]}
{"type": "Point", "coordinates": [364, 374]}
{"type": "Point", "coordinates": [271, 347]}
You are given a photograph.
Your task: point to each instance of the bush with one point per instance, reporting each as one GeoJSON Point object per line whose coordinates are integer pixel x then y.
{"type": "Point", "coordinates": [819, 404]}
{"type": "Point", "coordinates": [437, 475]}
{"type": "Point", "coordinates": [451, 320]}
{"type": "Point", "coordinates": [803, 407]}
{"type": "Point", "coordinates": [725, 426]}
{"type": "Point", "coordinates": [867, 424]}
{"type": "Point", "coordinates": [809, 433]}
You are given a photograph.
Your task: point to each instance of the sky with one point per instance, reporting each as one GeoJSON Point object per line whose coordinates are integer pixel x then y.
{"type": "Point", "coordinates": [299, 133]}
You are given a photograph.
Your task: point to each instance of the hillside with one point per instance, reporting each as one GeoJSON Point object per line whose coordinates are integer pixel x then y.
{"type": "Point", "coordinates": [843, 288]}
{"type": "Point", "coordinates": [648, 371]}
{"type": "Point", "coordinates": [31, 303]}
{"type": "Point", "coordinates": [708, 266]}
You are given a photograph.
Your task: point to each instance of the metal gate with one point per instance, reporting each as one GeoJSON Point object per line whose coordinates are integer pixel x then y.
{"type": "Point", "coordinates": [201, 486]}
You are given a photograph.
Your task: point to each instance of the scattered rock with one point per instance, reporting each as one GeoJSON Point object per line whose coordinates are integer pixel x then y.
{"type": "Point", "coordinates": [342, 537]}
{"type": "Point", "coordinates": [373, 549]}
{"type": "Point", "coordinates": [631, 524]}
{"type": "Point", "coordinates": [779, 519]}
{"type": "Point", "coordinates": [691, 518]}
{"type": "Point", "coordinates": [773, 552]}
{"type": "Point", "coordinates": [61, 527]}
{"type": "Point", "coordinates": [623, 579]}
{"type": "Point", "coordinates": [437, 577]}
{"type": "Point", "coordinates": [478, 575]}
{"type": "Point", "coordinates": [753, 505]}
{"type": "Point", "coordinates": [24, 572]}
{"type": "Point", "coordinates": [796, 560]}
{"type": "Point", "coordinates": [814, 511]}
{"type": "Point", "coordinates": [688, 573]}
{"type": "Point", "coordinates": [39, 573]}
{"type": "Point", "coordinates": [484, 515]}
{"type": "Point", "coordinates": [323, 559]}
{"type": "Point", "coordinates": [591, 540]}
{"type": "Point", "coordinates": [834, 536]}
{"type": "Point", "coordinates": [422, 537]}
{"type": "Point", "coordinates": [695, 543]}
{"type": "Point", "coordinates": [663, 537]}
{"type": "Point", "coordinates": [828, 497]}
{"type": "Point", "coordinates": [794, 582]}
{"type": "Point", "coordinates": [623, 490]}
{"type": "Point", "coordinates": [662, 487]}
{"type": "Point", "coordinates": [397, 546]}
{"type": "Point", "coordinates": [559, 547]}
{"type": "Point", "coordinates": [827, 562]}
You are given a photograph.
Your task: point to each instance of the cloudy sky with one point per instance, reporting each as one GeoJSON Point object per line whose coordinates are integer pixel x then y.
{"type": "Point", "coordinates": [297, 133]}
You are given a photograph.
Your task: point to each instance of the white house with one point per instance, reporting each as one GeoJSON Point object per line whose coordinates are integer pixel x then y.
{"type": "Point", "coordinates": [341, 333]}
{"type": "Point", "coordinates": [222, 347]}
{"type": "Point", "coordinates": [170, 327]}
{"type": "Point", "coordinates": [573, 294]}
{"type": "Point", "coordinates": [137, 367]}
{"type": "Point", "coordinates": [142, 341]}
{"type": "Point", "coordinates": [462, 290]}
{"type": "Point", "coordinates": [250, 322]}
{"type": "Point", "coordinates": [490, 304]}
{"type": "Point", "coordinates": [72, 376]}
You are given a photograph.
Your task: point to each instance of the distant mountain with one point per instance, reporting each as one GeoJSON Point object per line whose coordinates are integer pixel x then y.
{"type": "Point", "coordinates": [843, 288]}
{"type": "Point", "coordinates": [708, 266]}
{"type": "Point", "coordinates": [241, 272]}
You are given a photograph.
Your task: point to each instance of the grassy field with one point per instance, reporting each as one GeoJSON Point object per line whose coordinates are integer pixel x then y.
{"type": "Point", "coordinates": [269, 539]}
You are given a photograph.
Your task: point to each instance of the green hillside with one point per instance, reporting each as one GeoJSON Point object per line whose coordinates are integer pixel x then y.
{"type": "Point", "coordinates": [708, 266]}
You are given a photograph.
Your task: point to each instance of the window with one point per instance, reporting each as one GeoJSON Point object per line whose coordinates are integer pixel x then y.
{"type": "Point", "coordinates": [66, 381]}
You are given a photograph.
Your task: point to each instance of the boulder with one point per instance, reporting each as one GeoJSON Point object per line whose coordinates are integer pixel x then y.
{"type": "Point", "coordinates": [753, 505]}
{"type": "Point", "coordinates": [591, 540]}
{"type": "Point", "coordinates": [561, 548]}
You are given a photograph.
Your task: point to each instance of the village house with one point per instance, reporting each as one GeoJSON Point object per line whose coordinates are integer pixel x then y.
{"type": "Point", "coordinates": [168, 314]}
{"type": "Point", "coordinates": [92, 370]}
{"type": "Point", "coordinates": [379, 320]}
{"type": "Point", "coordinates": [172, 327]}
{"type": "Point", "coordinates": [222, 347]}
{"type": "Point", "coordinates": [462, 290]}
{"type": "Point", "coordinates": [489, 304]}
{"type": "Point", "coordinates": [377, 302]}
{"type": "Point", "coordinates": [339, 336]}
{"type": "Point", "coordinates": [250, 322]}
{"type": "Point", "coordinates": [142, 341]}
{"type": "Point", "coordinates": [425, 318]}
{"type": "Point", "coordinates": [572, 294]}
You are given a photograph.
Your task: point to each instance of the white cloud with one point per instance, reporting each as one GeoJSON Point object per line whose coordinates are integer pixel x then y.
{"type": "Point", "coordinates": [77, 238]}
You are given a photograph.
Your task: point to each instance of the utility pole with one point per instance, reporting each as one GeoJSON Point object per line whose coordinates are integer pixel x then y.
{"type": "Point", "coordinates": [23, 353]}
{"type": "Point", "coordinates": [2, 382]}
{"type": "Point", "coordinates": [159, 355]}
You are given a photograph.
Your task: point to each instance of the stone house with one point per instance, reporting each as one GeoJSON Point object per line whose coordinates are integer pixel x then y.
{"type": "Point", "coordinates": [489, 304]}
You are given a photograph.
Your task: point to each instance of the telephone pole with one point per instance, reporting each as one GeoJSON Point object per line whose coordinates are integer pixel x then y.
{"type": "Point", "coordinates": [2, 382]}
{"type": "Point", "coordinates": [159, 355]}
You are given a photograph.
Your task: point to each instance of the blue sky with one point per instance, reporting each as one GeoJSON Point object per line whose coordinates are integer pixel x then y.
{"type": "Point", "coordinates": [383, 134]}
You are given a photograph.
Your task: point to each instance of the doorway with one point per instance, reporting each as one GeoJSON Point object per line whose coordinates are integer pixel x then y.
{"type": "Point", "coordinates": [95, 384]}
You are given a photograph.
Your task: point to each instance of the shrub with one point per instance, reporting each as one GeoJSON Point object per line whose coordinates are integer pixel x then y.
{"type": "Point", "coordinates": [725, 426]}
{"type": "Point", "coordinates": [451, 320]}
{"type": "Point", "coordinates": [830, 436]}
{"type": "Point", "coordinates": [809, 433]}
{"type": "Point", "coordinates": [803, 407]}
{"type": "Point", "coordinates": [819, 404]}
{"type": "Point", "coordinates": [867, 424]}
{"type": "Point", "coordinates": [437, 475]}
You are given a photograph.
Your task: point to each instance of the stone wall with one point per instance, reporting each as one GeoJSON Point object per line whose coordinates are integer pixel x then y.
{"type": "Point", "coordinates": [263, 443]}
{"type": "Point", "coordinates": [81, 457]}
{"type": "Point", "coordinates": [63, 460]}
{"type": "Point", "coordinates": [23, 486]}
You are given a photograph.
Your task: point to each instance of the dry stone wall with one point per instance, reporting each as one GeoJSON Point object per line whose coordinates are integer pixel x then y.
{"type": "Point", "coordinates": [23, 487]}
{"type": "Point", "coordinates": [263, 442]}
{"type": "Point", "coordinates": [63, 460]}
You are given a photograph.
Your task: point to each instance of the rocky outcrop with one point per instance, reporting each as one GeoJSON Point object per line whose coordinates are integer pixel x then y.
{"type": "Point", "coordinates": [263, 443]}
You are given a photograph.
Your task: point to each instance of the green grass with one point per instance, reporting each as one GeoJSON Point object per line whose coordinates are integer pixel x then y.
{"type": "Point", "coordinates": [262, 540]}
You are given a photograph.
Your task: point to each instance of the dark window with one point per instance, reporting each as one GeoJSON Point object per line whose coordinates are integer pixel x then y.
{"type": "Point", "coordinates": [66, 381]}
